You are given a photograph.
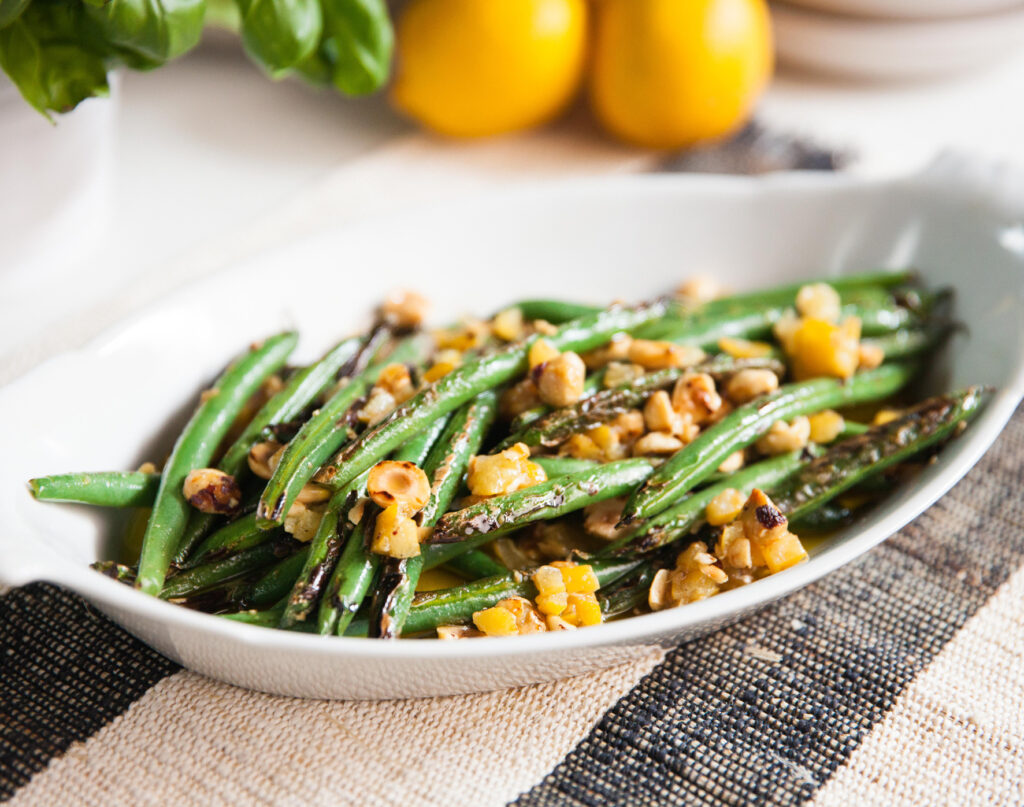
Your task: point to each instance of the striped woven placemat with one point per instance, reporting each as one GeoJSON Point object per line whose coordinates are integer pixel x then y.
{"type": "Point", "coordinates": [897, 679]}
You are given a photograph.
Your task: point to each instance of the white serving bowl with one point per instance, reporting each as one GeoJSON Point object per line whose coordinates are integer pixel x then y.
{"type": "Point", "coordinates": [103, 406]}
{"type": "Point", "coordinates": [908, 9]}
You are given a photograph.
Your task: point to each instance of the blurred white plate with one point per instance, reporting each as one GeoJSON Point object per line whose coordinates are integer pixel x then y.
{"type": "Point", "coordinates": [908, 9]}
{"type": "Point", "coordinates": [881, 49]}
{"type": "Point", "coordinates": [103, 406]}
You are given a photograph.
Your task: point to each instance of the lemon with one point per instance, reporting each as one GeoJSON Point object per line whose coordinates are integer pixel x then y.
{"type": "Point", "coordinates": [670, 73]}
{"type": "Point", "coordinates": [470, 68]}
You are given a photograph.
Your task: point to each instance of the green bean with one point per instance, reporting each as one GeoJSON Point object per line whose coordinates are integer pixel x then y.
{"type": "Point", "coordinates": [195, 448]}
{"type": "Point", "coordinates": [298, 392]}
{"type": "Point", "coordinates": [104, 488]}
{"type": "Point", "coordinates": [277, 581]}
{"type": "Point", "coordinates": [121, 572]}
{"type": "Point", "coordinates": [681, 518]}
{"type": "Point", "coordinates": [852, 460]}
{"type": "Point", "coordinates": [906, 343]}
{"type": "Point", "coordinates": [628, 594]}
{"type": "Point", "coordinates": [554, 311]}
{"type": "Point", "coordinates": [197, 580]}
{"type": "Point", "coordinates": [827, 518]}
{"type": "Point", "coordinates": [744, 425]}
{"type": "Point", "coordinates": [559, 425]}
{"type": "Point", "coordinates": [473, 377]}
{"type": "Point", "coordinates": [242, 533]}
{"type": "Point", "coordinates": [457, 605]}
{"type": "Point", "coordinates": [474, 565]}
{"type": "Point", "coordinates": [341, 583]}
{"type": "Point", "coordinates": [480, 522]}
{"type": "Point", "coordinates": [319, 437]}
{"type": "Point", "coordinates": [268, 618]}
{"type": "Point", "coordinates": [560, 466]}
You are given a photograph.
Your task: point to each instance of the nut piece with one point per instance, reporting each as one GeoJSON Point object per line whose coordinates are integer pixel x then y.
{"type": "Point", "coordinates": [210, 490]}
{"type": "Point", "coordinates": [601, 518]}
{"type": "Point", "coordinates": [744, 348]}
{"type": "Point", "coordinates": [663, 355]}
{"type": "Point", "coordinates": [264, 457]}
{"type": "Point", "coordinates": [451, 632]}
{"type": "Point", "coordinates": [508, 325]}
{"type": "Point", "coordinates": [561, 379]}
{"type": "Point", "coordinates": [699, 289]}
{"type": "Point", "coordinates": [470, 334]}
{"type": "Point", "coordinates": [695, 395]}
{"type": "Point", "coordinates": [733, 462]}
{"type": "Point", "coordinates": [302, 521]}
{"type": "Point", "coordinates": [783, 437]}
{"type": "Point", "coordinates": [656, 443]}
{"type": "Point", "coordinates": [395, 534]}
{"type": "Point", "coordinates": [380, 404]}
{"type": "Point", "coordinates": [826, 426]}
{"type": "Point", "coordinates": [619, 373]}
{"type": "Point", "coordinates": [509, 471]}
{"type": "Point", "coordinates": [818, 300]}
{"type": "Point", "coordinates": [541, 351]}
{"type": "Point", "coordinates": [870, 356]}
{"type": "Point", "coordinates": [396, 380]}
{"type": "Point", "coordinates": [749, 384]}
{"type": "Point", "coordinates": [404, 309]}
{"type": "Point", "coordinates": [616, 350]}
{"type": "Point", "coordinates": [402, 483]}
{"type": "Point", "coordinates": [725, 507]}
{"type": "Point", "coordinates": [518, 398]}
{"type": "Point", "coordinates": [659, 416]}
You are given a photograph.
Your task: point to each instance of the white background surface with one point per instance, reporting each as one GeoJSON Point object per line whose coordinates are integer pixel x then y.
{"type": "Point", "coordinates": [207, 147]}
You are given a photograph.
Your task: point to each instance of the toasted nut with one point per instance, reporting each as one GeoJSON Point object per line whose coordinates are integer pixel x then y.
{"type": "Point", "coordinates": [785, 329]}
{"type": "Point", "coordinates": [263, 458]}
{"type": "Point", "coordinates": [540, 352]}
{"type": "Point", "coordinates": [519, 397]}
{"type": "Point", "coordinates": [699, 289]}
{"type": "Point", "coordinates": [761, 519]}
{"type": "Point", "coordinates": [744, 348]}
{"type": "Point", "coordinates": [147, 468]}
{"type": "Point", "coordinates": [508, 325]}
{"type": "Point", "coordinates": [492, 475]}
{"type": "Point", "coordinates": [396, 380]}
{"type": "Point", "coordinates": [380, 404]}
{"type": "Point", "coordinates": [656, 443]}
{"type": "Point", "coordinates": [601, 518]}
{"type": "Point", "coordinates": [783, 437]}
{"type": "Point", "coordinates": [544, 327]}
{"type": "Point", "coordinates": [617, 350]}
{"type": "Point", "coordinates": [402, 483]}
{"type": "Point", "coordinates": [395, 534]}
{"type": "Point", "coordinates": [526, 616]}
{"type": "Point", "coordinates": [555, 622]}
{"type": "Point", "coordinates": [404, 309]}
{"type": "Point", "coordinates": [870, 356]}
{"type": "Point", "coordinates": [356, 511]}
{"type": "Point", "coordinates": [826, 426]}
{"type": "Point", "coordinates": [451, 632]}
{"type": "Point", "coordinates": [660, 594]}
{"type": "Point", "coordinates": [472, 333]}
{"type": "Point", "coordinates": [659, 416]}
{"type": "Point", "coordinates": [749, 384]}
{"type": "Point", "coordinates": [582, 447]}
{"type": "Point", "coordinates": [438, 370]}
{"type": "Point", "coordinates": [695, 395]}
{"type": "Point", "coordinates": [561, 379]}
{"type": "Point", "coordinates": [313, 493]}
{"type": "Point", "coordinates": [302, 521]}
{"type": "Point", "coordinates": [725, 507]}
{"type": "Point", "coordinates": [210, 490]}
{"type": "Point", "coordinates": [733, 462]}
{"type": "Point", "coordinates": [818, 300]}
{"type": "Point", "coordinates": [629, 425]}
{"type": "Point", "coordinates": [662, 355]}
{"type": "Point", "coordinates": [619, 373]}
{"type": "Point", "coordinates": [883, 416]}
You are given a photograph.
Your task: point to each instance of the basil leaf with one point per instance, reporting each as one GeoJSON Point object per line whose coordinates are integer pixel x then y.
{"type": "Point", "coordinates": [280, 33]}
{"type": "Point", "coordinates": [10, 10]}
{"type": "Point", "coordinates": [358, 41]}
{"type": "Point", "coordinates": [147, 33]}
{"type": "Point", "coordinates": [53, 57]}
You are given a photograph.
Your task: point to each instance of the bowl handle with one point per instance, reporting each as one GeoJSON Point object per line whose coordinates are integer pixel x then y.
{"type": "Point", "coordinates": [998, 184]}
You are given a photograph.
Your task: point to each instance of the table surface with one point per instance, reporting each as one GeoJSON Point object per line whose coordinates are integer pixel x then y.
{"type": "Point", "coordinates": [207, 145]}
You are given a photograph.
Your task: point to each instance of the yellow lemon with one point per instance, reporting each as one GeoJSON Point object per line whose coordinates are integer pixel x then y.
{"type": "Point", "coordinates": [470, 68]}
{"type": "Point", "coordinates": [670, 73]}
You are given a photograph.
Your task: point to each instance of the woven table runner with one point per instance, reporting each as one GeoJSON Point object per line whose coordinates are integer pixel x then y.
{"type": "Point", "coordinates": [897, 679]}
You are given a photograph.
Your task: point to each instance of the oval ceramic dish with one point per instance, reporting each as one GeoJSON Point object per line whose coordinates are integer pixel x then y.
{"type": "Point", "coordinates": [104, 406]}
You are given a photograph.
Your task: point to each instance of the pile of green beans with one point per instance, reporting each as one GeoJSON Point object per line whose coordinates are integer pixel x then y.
{"type": "Point", "coordinates": [247, 566]}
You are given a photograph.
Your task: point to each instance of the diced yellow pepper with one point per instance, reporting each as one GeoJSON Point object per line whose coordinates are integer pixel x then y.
{"type": "Point", "coordinates": [580, 579]}
{"type": "Point", "coordinates": [496, 622]}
